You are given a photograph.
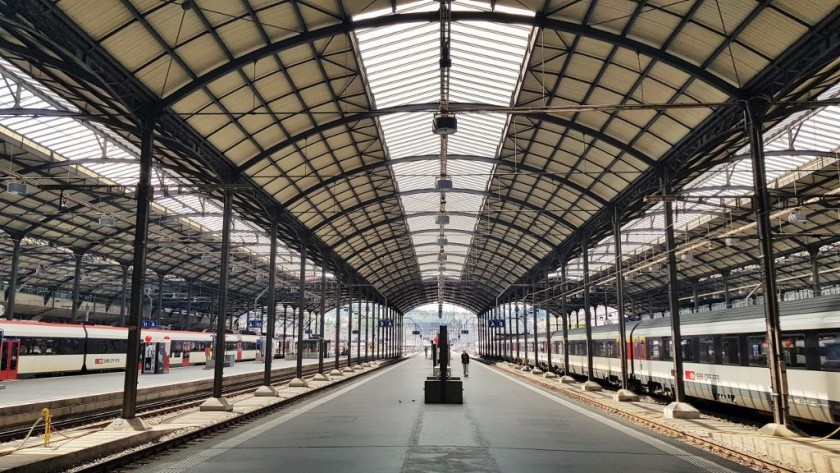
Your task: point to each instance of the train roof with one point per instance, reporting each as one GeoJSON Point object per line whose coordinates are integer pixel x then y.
{"type": "Point", "coordinates": [819, 312]}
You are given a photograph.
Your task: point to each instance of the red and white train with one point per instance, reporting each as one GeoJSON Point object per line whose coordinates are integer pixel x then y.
{"type": "Point", "coordinates": [724, 355]}
{"type": "Point", "coordinates": [41, 349]}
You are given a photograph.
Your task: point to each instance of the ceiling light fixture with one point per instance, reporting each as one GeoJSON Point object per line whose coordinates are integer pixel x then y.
{"type": "Point", "coordinates": [444, 125]}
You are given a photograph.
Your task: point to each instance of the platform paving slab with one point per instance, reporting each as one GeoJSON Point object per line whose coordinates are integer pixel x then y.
{"type": "Point", "coordinates": [804, 453]}
{"type": "Point", "coordinates": [380, 424]}
{"type": "Point", "coordinates": [87, 444]}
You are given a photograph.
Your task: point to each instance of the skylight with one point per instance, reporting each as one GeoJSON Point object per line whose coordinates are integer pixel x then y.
{"type": "Point", "coordinates": [401, 64]}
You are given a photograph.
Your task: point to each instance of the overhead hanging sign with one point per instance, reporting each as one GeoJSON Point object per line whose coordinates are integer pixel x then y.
{"type": "Point", "coordinates": [496, 323]}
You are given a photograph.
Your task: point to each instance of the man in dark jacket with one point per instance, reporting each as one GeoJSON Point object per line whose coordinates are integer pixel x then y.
{"type": "Point", "coordinates": [465, 360]}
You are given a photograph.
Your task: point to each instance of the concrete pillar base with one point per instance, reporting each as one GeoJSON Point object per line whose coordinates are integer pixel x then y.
{"type": "Point", "coordinates": [266, 391]}
{"type": "Point", "coordinates": [550, 375]}
{"type": "Point", "coordinates": [216, 404]}
{"type": "Point", "coordinates": [336, 374]}
{"type": "Point", "coordinates": [298, 383]}
{"type": "Point", "coordinates": [625, 395]}
{"type": "Point", "coordinates": [358, 368]}
{"type": "Point", "coordinates": [567, 380]}
{"type": "Point", "coordinates": [591, 386]}
{"type": "Point", "coordinates": [320, 377]}
{"type": "Point", "coordinates": [537, 371]}
{"type": "Point", "coordinates": [681, 410]}
{"type": "Point", "coordinates": [347, 369]}
{"type": "Point", "coordinates": [128, 425]}
{"type": "Point", "coordinates": [366, 364]}
{"type": "Point", "coordinates": [777, 430]}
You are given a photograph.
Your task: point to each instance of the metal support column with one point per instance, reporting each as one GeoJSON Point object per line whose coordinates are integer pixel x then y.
{"type": "Point", "coordinates": [337, 321]}
{"type": "Point", "coordinates": [359, 330]}
{"type": "Point", "coordinates": [673, 293]}
{"type": "Point", "coordinates": [694, 297]}
{"type": "Point", "coordinates": [548, 336]}
{"type": "Point", "coordinates": [13, 278]}
{"type": "Point", "coordinates": [161, 277]}
{"type": "Point", "coordinates": [272, 300]}
{"type": "Point", "coordinates": [814, 252]}
{"type": "Point", "coordinates": [619, 294]}
{"type": "Point", "coordinates": [138, 277]}
{"type": "Point", "coordinates": [322, 345]}
{"type": "Point", "coordinates": [565, 315]}
{"type": "Point", "coordinates": [587, 314]}
{"type": "Point", "coordinates": [219, 351]}
{"type": "Point", "coordinates": [516, 336]}
{"type": "Point", "coordinates": [350, 332]}
{"type": "Point", "coordinates": [301, 309]}
{"type": "Point", "coordinates": [367, 329]}
{"type": "Point", "coordinates": [187, 323]}
{"type": "Point", "coordinates": [77, 281]}
{"type": "Point", "coordinates": [124, 295]}
{"type": "Point", "coordinates": [778, 371]}
{"type": "Point", "coordinates": [285, 324]}
{"type": "Point", "coordinates": [536, 340]}
{"type": "Point", "coordinates": [727, 301]}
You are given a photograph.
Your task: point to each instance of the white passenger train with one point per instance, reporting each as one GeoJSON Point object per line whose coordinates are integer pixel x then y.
{"type": "Point", "coordinates": [725, 356]}
{"type": "Point", "coordinates": [38, 349]}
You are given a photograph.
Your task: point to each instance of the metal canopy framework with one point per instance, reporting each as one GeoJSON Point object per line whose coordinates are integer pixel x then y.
{"type": "Point", "coordinates": [321, 111]}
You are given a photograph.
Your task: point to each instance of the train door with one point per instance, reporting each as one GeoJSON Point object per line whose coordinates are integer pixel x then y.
{"type": "Point", "coordinates": [185, 353]}
{"type": "Point", "coordinates": [9, 359]}
{"type": "Point", "coordinates": [239, 351]}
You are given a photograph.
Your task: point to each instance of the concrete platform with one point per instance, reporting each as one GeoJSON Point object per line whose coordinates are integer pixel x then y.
{"type": "Point", "coordinates": [22, 401]}
{"type": "Point", "coordinates": [75, 446]}
{"type": "Point", "coordinates": [380, 424]}
{"type": "Point", "coordinates": [799, 454]}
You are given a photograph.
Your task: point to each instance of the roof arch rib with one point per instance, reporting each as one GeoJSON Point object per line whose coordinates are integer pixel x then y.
{"type": "Point", "coordinates": [454, 107]}
{"type": "Point", "coordinates": [364, 230]}
{"type": "Point", "coordinates": [397, 195]}
{"type": "Point", "coordinates": [455, 157]}
{"type": "Point", "coordinates": [348, 26]}
{"type": "Point", "coordinates": [499, 240]}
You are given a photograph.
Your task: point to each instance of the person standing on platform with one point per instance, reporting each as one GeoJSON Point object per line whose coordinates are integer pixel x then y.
{"type": "Point", "coordinates": [465, 360]}
{"type": "Point", "coordinates": [426, 350]}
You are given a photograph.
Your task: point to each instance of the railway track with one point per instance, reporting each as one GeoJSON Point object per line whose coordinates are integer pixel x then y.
{"type": "Point", "coordinates": [135, 457]}
{"type": "Point", "coordinates": [151, 409]}
{"type": "Point", "coordinates": [686, 437]}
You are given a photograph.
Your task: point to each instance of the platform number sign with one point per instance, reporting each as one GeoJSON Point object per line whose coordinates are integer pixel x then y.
{"type": "Point", "coordinates": [465, 332]}
{"type": "Point", "coordinates": [255, 323]}
{"type": "Point", "coordinates": [149, 323]}
{"type": "Point", "coordinates": [496, 323]}
{"type": "Point", "coordinates": [386, 323]}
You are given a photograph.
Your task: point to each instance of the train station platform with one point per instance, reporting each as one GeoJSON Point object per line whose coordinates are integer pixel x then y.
{"type": "Point", "coordinates": [380, 424]}
{"type": "Point", "coordinates": [35, 390]}
{"type": "Point", "coordinates": [376, 421]}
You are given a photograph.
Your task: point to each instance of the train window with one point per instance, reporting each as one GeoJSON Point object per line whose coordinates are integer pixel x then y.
{"type": "Point", "coordinates": [758, 350]}
{"type": "Point", "coordinates": [667, 349]}
{"type": "Point", "coordinates": [654, 348]}
{"type": "Point", "coordinates": [829, 351]}
{"type": "Point", "coordinates": [689, 349]}
{"type": "Point", "coordinates": [577, 348]}
{"type": "Point", "coordinates": [793, 349]}
{"type": "Point", "coordinates": [706, 347]}
{"type": "Point", "coordinates": [729, 353]}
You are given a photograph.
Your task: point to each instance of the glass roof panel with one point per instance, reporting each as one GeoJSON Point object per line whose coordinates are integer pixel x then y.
{"type": "Point", "coordinates": [68, 138]}
{"type": "Point", "coordinates": [486, 63]}
{"type": "Point", "coordinates": [812, 131]}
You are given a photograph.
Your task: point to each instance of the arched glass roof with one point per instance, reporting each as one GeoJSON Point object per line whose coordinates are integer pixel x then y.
{"type": "Point", "coordinates": [321, 112]}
